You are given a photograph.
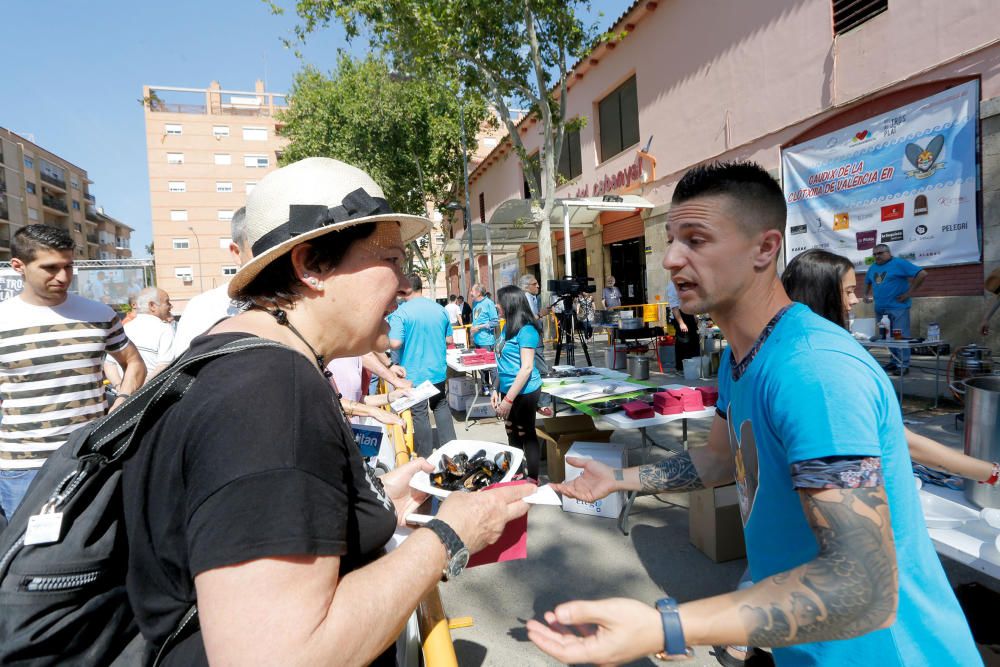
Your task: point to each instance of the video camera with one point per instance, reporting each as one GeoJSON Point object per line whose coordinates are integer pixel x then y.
{"type": "Point", "coordinates": [572, 286]}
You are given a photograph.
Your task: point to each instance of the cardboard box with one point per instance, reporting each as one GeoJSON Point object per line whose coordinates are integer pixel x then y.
{"type": "Point", "coordinates": [559, 433]}
{"type": "Point", "coordinates": [612, 454]}
{"type": "Point", "coordinates": [715, 525]}
{"type": "Point", "coordinates": [482, 410]}
{"type": "Point", "coordinates": [461, 386]}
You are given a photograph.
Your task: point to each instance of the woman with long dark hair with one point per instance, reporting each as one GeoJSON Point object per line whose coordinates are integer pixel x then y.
{"type": "Point", "coordinates": [520, 382]}
{"type": "Point", "coordinates": [826, 283]}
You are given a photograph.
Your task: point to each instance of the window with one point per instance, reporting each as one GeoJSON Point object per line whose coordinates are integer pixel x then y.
{"type": "Point", "coordinates": [482, 207]}
{"type": "Point", "coordinates": [223, 158]}
{"type": "Point", "coordinates": [224, 243]}
{"type": "Point", "coordinates": [254, 134]}
{"type": "Point", "coordinates": [219, 131]}
{"type": "Point", "coordinates": [76, 205]}
{"type": "Point", "coordinates": [173, 128]}
{"type": "Point", "coordinates": [182, 244]}
{"type": "Point", "coordinates": [77, 226]}
{"type": "Point", "coordinates": [490, 142]}
{"type": "Point", "coordinates": [250, 185]}
{"type": "Point", "coordinates": [180, 215]}
{"type": "Point", "coordinates": [74, 183]}
{"type": "Point", "coordinates": [175, 158]}
{"type": "Point", "coordinates": [184, 273]}
{"type": "Point", "coordinates": [619, 120]}
{"type": "Point", "coordinates": [224, 215]}
{"type": "Point", "coordinates": [256, 161]}
{"type": "Point", "coordinates": [30, 187]}
{"type": "Point", "coordinates": [176, 186]}
{"type": "Point", "coordinates": [32, 213]}
{"type": "Point", "coordinates": [223, 186]}
{"type": "Point", "coordinates": [849, 14]}
{"type": "Point", "coordinates": [28, 163]}
{"type": "Point", "coordinates": [229, 270]}
{"type": "Point", "coordinates": [570, 159]}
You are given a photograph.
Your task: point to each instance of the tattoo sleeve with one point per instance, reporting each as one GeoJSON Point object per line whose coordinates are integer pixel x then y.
{"type": "Point", "coordinates": [676, 473]}
{"type": "Point", "coordinates": [849, 589]}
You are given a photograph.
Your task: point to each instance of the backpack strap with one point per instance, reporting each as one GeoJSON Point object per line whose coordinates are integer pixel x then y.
{"type": "Point", "coordinates": [166, 388]}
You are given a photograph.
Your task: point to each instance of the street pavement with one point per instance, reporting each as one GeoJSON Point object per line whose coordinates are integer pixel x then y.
{"type": "Point", "coordinates": [572, 556]}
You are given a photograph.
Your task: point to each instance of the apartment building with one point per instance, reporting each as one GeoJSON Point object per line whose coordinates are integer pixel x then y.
{"type": "Point", "coordinates": [206, 149]}
{"type": "Point", "coordinates": [38, 186]}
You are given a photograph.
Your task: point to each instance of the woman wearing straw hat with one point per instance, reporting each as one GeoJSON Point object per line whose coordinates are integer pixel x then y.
{"type": "Point", "coordinates": [249, 495]}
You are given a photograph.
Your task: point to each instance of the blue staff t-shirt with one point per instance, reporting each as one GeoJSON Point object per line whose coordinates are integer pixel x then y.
{"type": "Point", "coordinates": [509, 359]}
{"type": "Point", "coordinates": [484, 312]}
{"type": "Point", "coordinates": [889, 280]}
{"type": "Point", "coordinates": [812, 392]}
{"type": "Point", "coordinates": [423, 327]}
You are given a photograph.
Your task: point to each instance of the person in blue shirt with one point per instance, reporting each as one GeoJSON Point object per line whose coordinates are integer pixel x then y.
{"type": "Point", "coordinates": [419, 330]}
{"type": "Point", "coordinates": [520, 382]}
{"type": "Point", "coordinates": [809, 428]}
{"type": "Point", "coordinates": [894, 280]}
{"type": "Point", "coordinates": [485, 321]}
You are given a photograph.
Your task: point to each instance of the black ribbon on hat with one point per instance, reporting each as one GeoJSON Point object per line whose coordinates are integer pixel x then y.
{"type": "Point", "coordinates": [303, 218]}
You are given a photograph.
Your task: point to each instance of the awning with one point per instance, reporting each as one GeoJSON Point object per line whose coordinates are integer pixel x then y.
{"type": "Point", "coordinates": [513, 223]}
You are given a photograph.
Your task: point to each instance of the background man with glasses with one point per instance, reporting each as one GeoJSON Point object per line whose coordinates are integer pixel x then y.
{"type": "Point", "coordinates": [893, 280]}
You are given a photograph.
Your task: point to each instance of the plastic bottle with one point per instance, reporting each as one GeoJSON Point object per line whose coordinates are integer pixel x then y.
{"type": "Point", "coordinates": [933, 332]}
{"type": "Point", "coordinates": [884, 327]}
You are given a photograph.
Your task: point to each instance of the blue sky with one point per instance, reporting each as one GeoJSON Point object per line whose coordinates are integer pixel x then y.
{"type": "Point", "coordinates": [76, 71]}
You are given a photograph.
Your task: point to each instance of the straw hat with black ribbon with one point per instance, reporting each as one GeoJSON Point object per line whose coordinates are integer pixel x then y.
{"type": "Point", "coordinates": [309, 198]}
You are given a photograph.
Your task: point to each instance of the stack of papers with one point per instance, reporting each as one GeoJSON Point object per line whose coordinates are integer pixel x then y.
{"type": "Point", "coordinates": [419, 393]}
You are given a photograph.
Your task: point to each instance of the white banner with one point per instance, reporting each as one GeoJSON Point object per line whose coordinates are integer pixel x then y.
{"type": "Point", "coordinates": [906, 178]}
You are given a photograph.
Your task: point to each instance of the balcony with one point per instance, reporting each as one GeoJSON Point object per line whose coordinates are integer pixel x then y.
{"type": "Point", "coordinates": [91, 215]}
{"type": "Point", "coordinates": [89, 197]}
{"type": "Point", "coordinates": [4, 237]}
{"type": "Point", "coordinates": [55, 203]}
{"type": "Point", "coordinates": [92, 238]}
{"type": "Point", "coordinates": [53, 181]}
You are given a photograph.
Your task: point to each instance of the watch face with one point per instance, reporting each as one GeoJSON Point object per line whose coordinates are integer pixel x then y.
{"type": "Point", "coordinates": [458, 562]}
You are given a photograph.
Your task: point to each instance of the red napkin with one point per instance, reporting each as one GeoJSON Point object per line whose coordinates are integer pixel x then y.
{"type": "Point", "coordinates": [513, 542]}
{"type": "Point", "coordinates": [667, 404]}
{"type": "Point", "coordinates": [690, 399]}
{"type": "Point", "coordinates": [638, 409]}
{"type": "Point", "coordinates": [709, 395]}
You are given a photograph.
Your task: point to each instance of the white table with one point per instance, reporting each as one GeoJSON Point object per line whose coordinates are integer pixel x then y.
{"type": "Point", "coordinates": [455, 363]}
{"type": "Point", "coordinates": [891, 344]}
{"type": "Point", "coordinates": [621, 420]}
{"type": "Point", "coordinates": [972, 543]}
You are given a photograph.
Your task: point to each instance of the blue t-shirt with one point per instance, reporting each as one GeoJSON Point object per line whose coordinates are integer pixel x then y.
{"type": "Point", "coordinates": [423, 327]}
{"type": "Point", "coordinates": [484, 311]}
{"type": "Point", "coordinates": [812, 391]}
{"type": "Point", "coordinates": [509, 359]}
{"type": "Point", "coordinates": [889, 280]}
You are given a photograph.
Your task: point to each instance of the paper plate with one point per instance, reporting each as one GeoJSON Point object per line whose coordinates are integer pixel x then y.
{"type": "Point", "coordinates": [422, 480]}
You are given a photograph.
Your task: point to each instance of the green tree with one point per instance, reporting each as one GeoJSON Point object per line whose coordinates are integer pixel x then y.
{"type": "Point", "coordinates": [516, 52]}
{"type": "Point", "coordinates": [403, 130]}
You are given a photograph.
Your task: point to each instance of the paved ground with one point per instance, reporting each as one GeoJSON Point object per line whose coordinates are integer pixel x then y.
{"type": "Point", "coordinates": [572, 556]}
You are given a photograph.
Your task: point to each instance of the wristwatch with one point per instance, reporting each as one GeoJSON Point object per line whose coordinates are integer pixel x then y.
{"type": "Point", "coordinates": [674, 647]}
{"type": "Point", "coordinates": [458, 554]}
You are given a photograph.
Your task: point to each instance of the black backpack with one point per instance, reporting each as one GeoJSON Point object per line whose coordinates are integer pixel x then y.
{"type": "Point", "coordinates": [63, 602]}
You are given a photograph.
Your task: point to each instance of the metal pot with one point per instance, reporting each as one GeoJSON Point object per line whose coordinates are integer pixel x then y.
{"type": "Point", "coordinates": [638, 366]}
{"type": "Point", "coordinates": [982, 433]}
{"type": "Point", "coordinates": [972, 361]}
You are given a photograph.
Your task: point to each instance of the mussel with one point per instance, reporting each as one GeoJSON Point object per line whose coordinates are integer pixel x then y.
{"type": "Point", "coordinates": [464, 473]}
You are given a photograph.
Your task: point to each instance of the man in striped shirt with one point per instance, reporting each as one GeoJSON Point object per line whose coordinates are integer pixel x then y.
{"type": "Point", "coordinates": [51, 347]}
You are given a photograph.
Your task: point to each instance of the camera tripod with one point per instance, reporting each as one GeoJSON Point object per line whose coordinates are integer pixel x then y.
{"type": "Point", "coordinates": [567, 331]}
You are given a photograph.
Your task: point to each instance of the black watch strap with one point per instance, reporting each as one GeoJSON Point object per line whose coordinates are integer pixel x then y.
{"type": "Point", "coordinates": [458, 555]}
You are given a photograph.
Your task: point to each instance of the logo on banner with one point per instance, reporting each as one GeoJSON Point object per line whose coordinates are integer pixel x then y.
{"type": "Point", "coordinates": [955, 228]}
{"type": "Point", "coordinates": [861, 136]}
{"type": "Point", "coordinates": [894, 235]}
{"type": "Point", "coordinates": [841, 221]}
{"type": "Point", "coordinates": [921, 230]}
{"type": "Point", "coordinates": [920, 205]}
{"type": "Point", "coordinates": [866, 239]}
{"type": "Point", "coordinates": [952, 201]}
{"type": "Point", "coordinates": [797, 229]}
{"type": "Point", "coordinates": [892, 212]}
{"type": "Point", "coordinates": [925, 158]}
{"type": "Point", "coordinates": [368, 438]}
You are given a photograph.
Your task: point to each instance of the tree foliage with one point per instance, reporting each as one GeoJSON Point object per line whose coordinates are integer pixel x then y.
{"type": "Point", "coordinates": [516, 53]}
{"type": "Point", "coordinates": [402, 130]}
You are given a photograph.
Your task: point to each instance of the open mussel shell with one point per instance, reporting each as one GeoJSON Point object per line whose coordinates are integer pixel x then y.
{"type": "Point", "coordinates": [462, 472]}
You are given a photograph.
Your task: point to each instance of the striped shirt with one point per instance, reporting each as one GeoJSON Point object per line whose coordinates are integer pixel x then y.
{"type": "Point", "coordinates": [51, 381]}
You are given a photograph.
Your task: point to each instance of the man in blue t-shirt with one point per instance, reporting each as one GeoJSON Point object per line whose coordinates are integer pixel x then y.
{"type": "Point", "coordinates": [893, 280]}
{"type": "Point", "coordinates": [420, 331]}
{"type": "Point", "coordinates": [485, 320]}
{"type": "Point", "coordinates": [807, 426]}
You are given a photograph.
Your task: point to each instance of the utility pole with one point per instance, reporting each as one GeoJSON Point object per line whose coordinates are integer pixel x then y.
{"type": "Point", "coordinates": [201, 273]}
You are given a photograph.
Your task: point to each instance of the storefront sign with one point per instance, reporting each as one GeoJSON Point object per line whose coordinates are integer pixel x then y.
{"type": "Point", "coordinates": [906, 178]}
{"type": "Point", "coordinates": [622, 180]}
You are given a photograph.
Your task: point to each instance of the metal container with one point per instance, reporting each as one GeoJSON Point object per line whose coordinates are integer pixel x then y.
{"type": "Point", "coordinates": [638, 366]}
{"type": "Point", "coordinates": [972, 361]}
{"type": "Point", "coordinates": [982, 433]}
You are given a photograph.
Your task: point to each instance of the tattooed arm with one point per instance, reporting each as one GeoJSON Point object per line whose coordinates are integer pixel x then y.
{"type": "Point", "coordinates": [849, 589]}
{"type": "Point", "coordinates": [699, 467]}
